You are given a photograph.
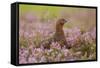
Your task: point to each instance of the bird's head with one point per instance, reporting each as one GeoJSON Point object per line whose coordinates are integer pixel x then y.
{"type": "Point", "coordinates": [61, 21]}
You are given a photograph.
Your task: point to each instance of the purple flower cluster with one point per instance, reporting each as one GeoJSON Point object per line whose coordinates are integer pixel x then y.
{"type": "Point", "coordinates": [33, 33]}
{"type": "Point", "coordinates": [73, 36]}
{"type": "Point", "coordinates": [89, 37]}
{"type": "Point", "coordinates": [38, 55]}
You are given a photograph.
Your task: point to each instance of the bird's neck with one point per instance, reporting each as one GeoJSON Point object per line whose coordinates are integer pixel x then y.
{"type": "Point", "coordinates": [59, 30]}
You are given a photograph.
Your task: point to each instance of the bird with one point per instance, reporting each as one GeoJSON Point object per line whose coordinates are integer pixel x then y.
{"type": "Point", "coordinates": [58, 36]}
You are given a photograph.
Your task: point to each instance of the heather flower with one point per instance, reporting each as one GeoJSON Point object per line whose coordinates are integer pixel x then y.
{"type": "Point", "coordinates": [43, 59]}
{"type": "Point", "coordinates": [32, 59]}
{"type": "Point", "coordinates": [73, 36]}
{"type": "Point", "coordinates": [86, 38]}
{"type": "Point", "coordinates": [22, 60]}
{"type": "Point", "coordinates": [32, 31]}
{"type": "Point", "coordinates": [55, 45]}
{"type": "Point", "coordinates": [93, 33]}
{"type": "Point", "coordinates": [66, 52]}
{"type": "Point", "coordinates": [23, 52]}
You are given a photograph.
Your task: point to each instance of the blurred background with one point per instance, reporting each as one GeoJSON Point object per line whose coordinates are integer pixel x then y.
{"type": "Point", "coordinates": [84, 18]}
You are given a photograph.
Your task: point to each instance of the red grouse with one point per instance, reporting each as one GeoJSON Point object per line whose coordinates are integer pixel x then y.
{"type": "Point", "coordinates": [57, 37]}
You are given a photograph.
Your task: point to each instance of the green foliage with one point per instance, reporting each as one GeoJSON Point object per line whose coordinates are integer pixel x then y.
{"type": "Point", "coordinates": [88, 51]}
{"type": "Point", "coordinates": [37, 40]}
{"type": "Point", "coordinates": [23, 42]}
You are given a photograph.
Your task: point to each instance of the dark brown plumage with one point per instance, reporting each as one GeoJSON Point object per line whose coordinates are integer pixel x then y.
{"type": "Point", "coordinates": [58, 36]}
